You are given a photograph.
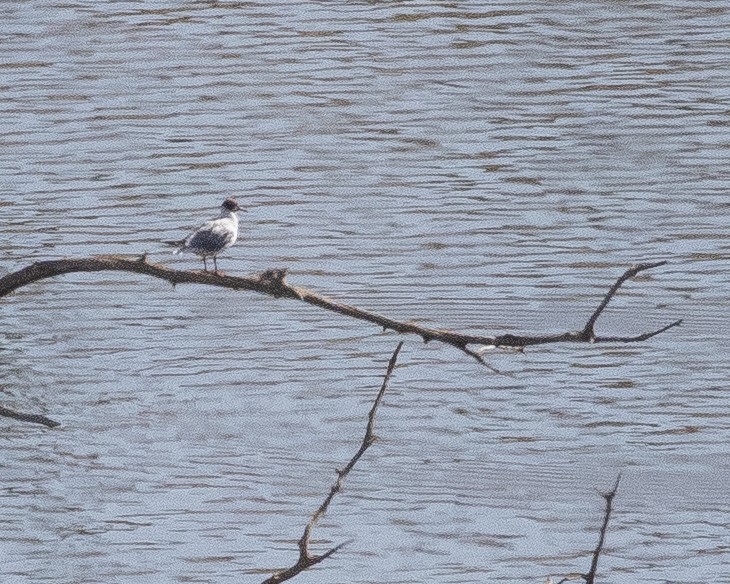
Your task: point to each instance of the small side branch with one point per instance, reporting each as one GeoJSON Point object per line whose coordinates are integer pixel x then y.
{"type": "Point", "coordinates": [273, 283]}
{"type": "Point", "coordinates": [306, 558]}
{"type": "Point", "coordinates": [32, 418]}
{"type": "Point", "coordinates": [588, 332]}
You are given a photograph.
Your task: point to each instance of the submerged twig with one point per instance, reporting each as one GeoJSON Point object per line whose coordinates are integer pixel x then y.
{"type": "Point", "coordinates": [32, 418]}
{"type": "Point", "coordinates": [306, 558]}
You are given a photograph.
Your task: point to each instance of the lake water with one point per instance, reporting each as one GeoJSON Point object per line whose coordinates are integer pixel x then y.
{"type": "Point", "coordinates": [488, 167]}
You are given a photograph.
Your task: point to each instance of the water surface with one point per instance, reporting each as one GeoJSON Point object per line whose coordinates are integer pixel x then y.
{"type": "Point", "coordinates": [487, 167]}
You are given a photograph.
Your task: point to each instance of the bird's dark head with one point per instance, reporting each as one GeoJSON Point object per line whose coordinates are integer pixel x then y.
{"type": "Point", "coordinates": [230, 204]}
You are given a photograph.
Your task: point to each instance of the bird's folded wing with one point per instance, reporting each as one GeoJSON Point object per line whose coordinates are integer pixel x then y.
{"type": "Point", "coordinates": [212, 236]}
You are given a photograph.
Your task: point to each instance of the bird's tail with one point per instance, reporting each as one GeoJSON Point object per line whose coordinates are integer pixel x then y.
{"type": "Point", "coordinates": [179, 244]}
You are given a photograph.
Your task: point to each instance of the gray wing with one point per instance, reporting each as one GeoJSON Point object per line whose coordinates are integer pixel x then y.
{"type": "Point", "coordinates": [209, 240]}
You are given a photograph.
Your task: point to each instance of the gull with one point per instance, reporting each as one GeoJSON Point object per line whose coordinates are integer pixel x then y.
{"type": "Point", "coordinates": [213, 236]}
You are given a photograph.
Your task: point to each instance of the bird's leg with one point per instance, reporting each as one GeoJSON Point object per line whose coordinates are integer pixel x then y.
{"type": "Point", "coordinates": [215, 264]}
{"type": "Point", "coordinates": [205, 264]}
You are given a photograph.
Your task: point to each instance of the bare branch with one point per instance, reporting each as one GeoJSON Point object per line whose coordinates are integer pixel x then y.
{"type": "Point", "coordinates": [306, 559]}
{"type": "Point", "coordinates": [637, 338]}
{"type": "Point", "coordinates": [588, 331]}
{"type": "Point", "coordinates": [273, 283]}
{"type": "Point", "coordinates": [630, 273]}
{"type": "Point", "coordinates": [591, 575]}
{"type": "Point", "coordinates": [33, 418]}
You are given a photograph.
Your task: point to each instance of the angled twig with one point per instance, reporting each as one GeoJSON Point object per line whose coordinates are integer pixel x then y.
{"type": "Point", "coordinates": [479, 357]}
{"type": "Point", "coordinates": [306, 558]}
{"type": "Point", "coordinates": [568, 578]}
{"type": "Point", "coordinates": [33, 418]}
{"type": "Point", "coordinates": [273, 283]}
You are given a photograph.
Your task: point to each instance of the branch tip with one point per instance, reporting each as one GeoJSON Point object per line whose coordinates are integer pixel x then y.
{"type": "Point", "coordinates": [638, 338]}
{"type": "Point", "coordinates": [612, 493]}
{"type": "Point", "coordinates": [649, 265]}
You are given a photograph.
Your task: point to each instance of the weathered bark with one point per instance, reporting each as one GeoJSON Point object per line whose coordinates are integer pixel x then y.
{"type": "Point", "coordinates": [273, 283]}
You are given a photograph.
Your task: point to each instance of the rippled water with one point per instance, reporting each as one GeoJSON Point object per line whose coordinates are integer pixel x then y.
{"type": "Point", "coordinates": [489, 167]}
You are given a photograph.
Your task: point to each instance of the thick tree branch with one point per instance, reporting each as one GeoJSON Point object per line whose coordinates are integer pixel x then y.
{"type": "Point", "coordinates": [306, 559]}
{"type": "Point", "coordinates": [273, 283]}
{"type": "Point", "coordinates": [33, 418]}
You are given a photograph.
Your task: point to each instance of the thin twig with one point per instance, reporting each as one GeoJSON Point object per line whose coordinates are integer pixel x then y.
{"type": "Point", "coordinates": [273, 283]}
{"type": "Point", "coordinates": [591, 575]}
{"type": "Point", "coordinates": [479, 357]}
{"type": "Point", "coordinates": [33, 418]}
{"type": "Point", "coordinates": [306, 559]}
{"type": "Point", "coordinates": [570, 577]}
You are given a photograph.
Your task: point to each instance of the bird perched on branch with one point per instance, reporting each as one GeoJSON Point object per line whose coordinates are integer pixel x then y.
{"type": "Point", "coordinates": [213, 236]}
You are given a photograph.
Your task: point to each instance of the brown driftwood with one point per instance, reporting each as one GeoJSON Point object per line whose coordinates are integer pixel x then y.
{"type": "Point", "coordinates": [33, 418]}
{"type": "Point", "coordinates": [306, 558]}
{"type": "Point", "coordinates": [273, 283]}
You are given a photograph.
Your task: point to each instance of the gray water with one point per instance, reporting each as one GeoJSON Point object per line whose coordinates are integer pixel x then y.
{"type": "Point", "coordinates": [488, 167]}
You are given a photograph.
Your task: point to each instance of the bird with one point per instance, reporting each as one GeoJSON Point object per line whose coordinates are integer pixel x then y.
{"type": "Point", "coordinates": [213, 236]}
